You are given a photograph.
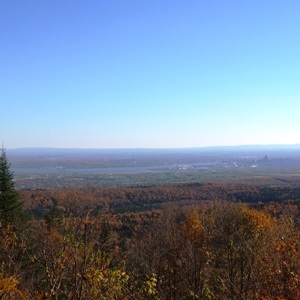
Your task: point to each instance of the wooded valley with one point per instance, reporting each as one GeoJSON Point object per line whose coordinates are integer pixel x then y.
{"type": "Point", "coordinates": [176, 241]}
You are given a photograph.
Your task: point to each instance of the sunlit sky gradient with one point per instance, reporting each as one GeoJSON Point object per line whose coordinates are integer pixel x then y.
{"type": "Point", "coordinates": [115, 74]}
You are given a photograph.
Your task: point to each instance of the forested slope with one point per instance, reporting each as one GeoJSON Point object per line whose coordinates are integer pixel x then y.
{"type": "Point", "coordinates": [136, 199]}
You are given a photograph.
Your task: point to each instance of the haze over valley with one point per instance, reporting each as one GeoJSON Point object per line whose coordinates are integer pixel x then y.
{"type": "Point", "coordinates": [63, 168]}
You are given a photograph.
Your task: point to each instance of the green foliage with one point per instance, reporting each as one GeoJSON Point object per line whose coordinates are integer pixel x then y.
{"type": "Point", "coordinates": [54, 218]}
{"type": "Point", "coordinates": [11, 209]}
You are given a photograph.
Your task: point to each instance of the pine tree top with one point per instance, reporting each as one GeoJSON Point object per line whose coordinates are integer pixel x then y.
{"type": "Point", "coordinates": [6, 176]}
{"type": "Point", "coordinates": [11, 208]}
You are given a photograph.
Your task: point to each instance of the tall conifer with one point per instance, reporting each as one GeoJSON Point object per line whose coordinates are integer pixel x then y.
{"type": "Point", "coordinates": [11, 208]}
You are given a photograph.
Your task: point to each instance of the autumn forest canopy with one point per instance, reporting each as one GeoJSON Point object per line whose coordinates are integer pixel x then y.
{"type": "Point", "coordinates": [219, 239]}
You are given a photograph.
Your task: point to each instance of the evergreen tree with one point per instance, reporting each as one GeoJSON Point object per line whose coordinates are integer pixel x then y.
{"type": "Point", "coordinates": [11, 208]}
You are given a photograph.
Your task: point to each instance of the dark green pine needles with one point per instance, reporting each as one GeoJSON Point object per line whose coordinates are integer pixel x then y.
{"type": "Point", "coordinates": [11, 208]}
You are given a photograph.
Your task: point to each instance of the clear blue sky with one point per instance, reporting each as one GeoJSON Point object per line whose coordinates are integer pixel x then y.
{"type": "Point", "coordinates": [115, 74]}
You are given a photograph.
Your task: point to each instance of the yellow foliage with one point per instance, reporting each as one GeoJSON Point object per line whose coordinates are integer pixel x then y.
{"type": "Point", "coordinates": [193, 227]}
{"type": "Point", "coordinates": [261, 221]}
{"type": "Point", "coordinates": [8, 288]}
{"type": "Point", "coordinates": [103, 279]}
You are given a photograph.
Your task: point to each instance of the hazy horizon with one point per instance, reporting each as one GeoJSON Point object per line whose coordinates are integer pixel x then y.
{"type": "Point", "coordinates": [163, 148]}
{"type": "Point", "coordinates": [150, 74]}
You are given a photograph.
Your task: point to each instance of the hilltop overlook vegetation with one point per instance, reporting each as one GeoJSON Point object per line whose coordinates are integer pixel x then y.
{"type": "Point", "coordinates": [193, 226]}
